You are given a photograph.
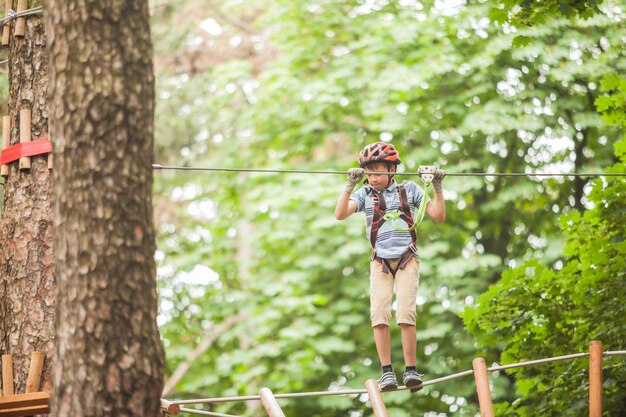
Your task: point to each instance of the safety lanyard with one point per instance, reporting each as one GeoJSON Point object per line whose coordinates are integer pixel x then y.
{"type": "Point", "coordinates": [426, 175]}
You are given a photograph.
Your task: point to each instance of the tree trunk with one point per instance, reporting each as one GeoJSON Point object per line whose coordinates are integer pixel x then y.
{"type": "Point", "coordinates": [109, 355]}
{"type": "Point", "coordinates": [27, 288]}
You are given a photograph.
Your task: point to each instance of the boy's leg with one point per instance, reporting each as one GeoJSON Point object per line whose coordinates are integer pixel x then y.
{"type": "Point", "coordinates": [409, 344]}
{"type": "Point", "coordinates": [383, 344]}
{"type": "Point", "coordinates": [381, 292]}
{"type": "Point", "coordinates": [407, 283]}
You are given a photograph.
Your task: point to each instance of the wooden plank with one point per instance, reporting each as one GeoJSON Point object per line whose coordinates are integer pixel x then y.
{"type": "Point", "coordinates": [7, 375]}
{"type": "Point", "coordinates": [34, 399]}
{"type": "Point", "coordinates": [50, 159]}
{"type": "Point", "coordinates": [25, 411]}
{"type": "Point", "coordinates": [6, 141]}
{"type": "Point", "coordinates": [34, 372]}
{"type": "Point", "coordinates": [20, 23]}
{"type": "Point", "coordinates": [25, 135]}
{"type": "Point", "coordinates": [6, 30]}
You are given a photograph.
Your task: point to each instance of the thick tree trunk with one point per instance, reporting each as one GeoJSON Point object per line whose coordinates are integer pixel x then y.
{"type": "Point", "coordinates": [109, 355]}
{"type": "Point", "coordinates": [27, 288]}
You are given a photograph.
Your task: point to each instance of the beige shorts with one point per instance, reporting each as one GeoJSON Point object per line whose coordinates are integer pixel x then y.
{"type": "Point", "coordinates": [382, 288]}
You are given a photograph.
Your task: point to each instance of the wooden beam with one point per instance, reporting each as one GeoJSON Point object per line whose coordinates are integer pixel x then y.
{"type": "Point", "coordinates": [6, 30]}
{"type": "Point", "coordinates": [7, 375]}
{"type": "Point", "coordinates": [25, 135]}
{"type": "Point", "coordinates": [168, 408]}
{"type": "Point", "coordinates": [270, 403]}
{"type": "Point", "coordinates": [595, 378]}
{"type": "Point", "coordinates": [35, 399]}
{"type": "Point", "coordinates": [6, 141]}
{"type": "Point", "coordinates": [376, 399]}
{"type": "Point", "coordinates": [25, 411]}
{"type": "Point", "coordinates": [482, 387]}
{"type": "Point", "coordinates": [34, 372]}
{"type": "Point", "coordinates": [20, 23]}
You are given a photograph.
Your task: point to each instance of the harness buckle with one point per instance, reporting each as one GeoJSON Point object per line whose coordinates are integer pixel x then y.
{"type": "Point", "coordinates": [427, 173]}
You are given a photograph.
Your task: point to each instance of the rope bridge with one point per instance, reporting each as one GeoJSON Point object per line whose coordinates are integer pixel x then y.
{"type": "Point", "coordinates": [479, 370]}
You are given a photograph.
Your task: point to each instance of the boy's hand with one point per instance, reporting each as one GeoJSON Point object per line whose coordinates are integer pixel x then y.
{"type": "Point", "coordinates": [355, 175]}
{"type": "Point", "coordinates": [438, 177]}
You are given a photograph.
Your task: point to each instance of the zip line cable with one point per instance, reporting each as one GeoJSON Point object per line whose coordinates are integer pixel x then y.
{"type": "Point", "coordinates": [451, 174]}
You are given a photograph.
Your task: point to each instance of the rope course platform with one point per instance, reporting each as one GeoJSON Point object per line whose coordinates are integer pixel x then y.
{"type": "Point", "coordinates": [480, 372]}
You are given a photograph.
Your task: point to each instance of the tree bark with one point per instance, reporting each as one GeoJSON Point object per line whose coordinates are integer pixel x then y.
{"type": "Point", "coordinates": [27, 288]}
{"type": "Point", "coordinates": [109, 355]}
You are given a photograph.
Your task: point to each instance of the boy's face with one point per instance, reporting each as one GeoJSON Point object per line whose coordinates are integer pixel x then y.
{"type": "Point", "coordinates": [378, 181]}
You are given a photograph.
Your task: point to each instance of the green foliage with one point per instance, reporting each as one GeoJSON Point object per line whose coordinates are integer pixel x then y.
{"type": "Point", "coordinates": [533, 13]}
{"type": "Point", "coordinates": [612, 105]}
{"type": "Point", "coordinates": [538, 311]}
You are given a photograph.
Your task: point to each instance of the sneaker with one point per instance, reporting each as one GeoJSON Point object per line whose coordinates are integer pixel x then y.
{"type": "Point", "coordinates": [388, 381]}
{"type": "Point", "coordinates": [412, 379]}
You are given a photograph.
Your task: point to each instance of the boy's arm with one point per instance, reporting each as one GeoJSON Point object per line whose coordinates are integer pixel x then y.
{"type": "Point", "coordinates": [346, 207]}
{"type": "Point", "coordinates": [436, 209]}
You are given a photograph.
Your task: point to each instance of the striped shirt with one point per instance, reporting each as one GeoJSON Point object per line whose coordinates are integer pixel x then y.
{"type": "Point", "coordinates": [390, 243]}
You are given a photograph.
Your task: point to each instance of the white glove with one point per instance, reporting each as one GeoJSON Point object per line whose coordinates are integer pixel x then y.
{"type": "Point", "coordinates": [438, 177]}
{"type": "Point", "coordinates": [355, 175]}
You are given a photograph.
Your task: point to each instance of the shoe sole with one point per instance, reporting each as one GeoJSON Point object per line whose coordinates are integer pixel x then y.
{"type": "Point", "coordinates": [413, 383]}
{"type": "Point", "coordinates": [389, 387]}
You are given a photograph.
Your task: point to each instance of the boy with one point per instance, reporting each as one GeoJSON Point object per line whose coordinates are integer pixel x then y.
{"type": "Point", "coordinates": [394, 255]}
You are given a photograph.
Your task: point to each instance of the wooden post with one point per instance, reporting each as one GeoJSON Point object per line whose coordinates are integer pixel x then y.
{"type": "Point", "coordinates": [6, 141]}
{"type": "Point", "coordinates": [482, 387]}
{"type": "Point", "coordinates": [25, 135]}
{"type": "Point", "coordinates": [6, 30]}
{"type": "Point", "coordinates": [376, 399]}
{"type": "Point", "coordinates": [50, 156]}
{"type": "Point", "coordinates": [20, 23]}
{"type": "Point", "coordinates": [270, 403]}
{"type": "Point", "coordinates": [34, 372]}
{"type": "Point", "coordinates": [168, 408]}
{"type": "Point", "coordinates": [595, 378]}
{"type": "Point", "coordinates": [7, 375]}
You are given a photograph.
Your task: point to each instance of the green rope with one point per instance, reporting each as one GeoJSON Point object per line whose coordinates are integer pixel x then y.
{"type": "Point", "coordinates": [392, 216]}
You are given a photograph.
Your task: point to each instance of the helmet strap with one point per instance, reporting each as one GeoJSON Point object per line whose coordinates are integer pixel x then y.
{"type": "Point", "coordinates": [390, 175]}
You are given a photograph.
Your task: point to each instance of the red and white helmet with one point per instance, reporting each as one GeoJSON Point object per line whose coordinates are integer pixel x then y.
{"type": "Point", "coordinates": [379, 152]}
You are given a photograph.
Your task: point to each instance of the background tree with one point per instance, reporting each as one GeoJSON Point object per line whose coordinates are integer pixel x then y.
{"type": "Point", "coordinates": [109, 359]}
{"type": "Point", "coordinates": [27, 286]}
{"type": "Point", "coordinates": [542, 311]}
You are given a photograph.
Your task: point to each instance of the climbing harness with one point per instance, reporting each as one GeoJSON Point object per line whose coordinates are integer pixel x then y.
{"type": "Point", "coordinates": [427, 174]}
{"type": "Point", "coordinates": [379, 219]}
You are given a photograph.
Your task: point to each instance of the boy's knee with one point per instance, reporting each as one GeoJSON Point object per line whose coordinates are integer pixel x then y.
{"type": "Point", "coordinates": [406, 317]}
{"type": "Point", "coordinates": [380, 317]}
